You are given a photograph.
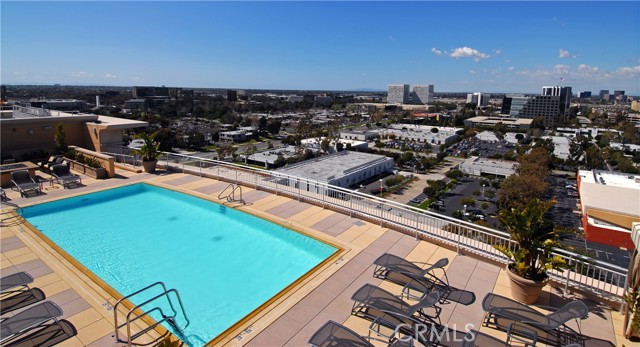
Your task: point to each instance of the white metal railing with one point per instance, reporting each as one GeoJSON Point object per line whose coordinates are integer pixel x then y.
{"type": "Point", "coordinates": [584, 273]}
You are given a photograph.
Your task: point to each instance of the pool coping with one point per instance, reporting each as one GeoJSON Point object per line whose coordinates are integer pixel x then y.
{"type": "Point", "coordinates": [233, 331]}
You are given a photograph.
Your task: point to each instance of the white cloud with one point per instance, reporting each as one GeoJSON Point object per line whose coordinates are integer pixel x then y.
{"type": "Point", "coordinates": [473, 72]}
{"type": "Point", "coordinates": [437, 52]}
{"type": "Point", "coordinates": [511, 68]}
{"type": "Point", "coordinates": [110, 76]}
{"type": "Point", "coordinates": [629, 70]}
{"type": "Point", "coordinates": [565, 54]}
{"type": "Point", "coordinates": [497, 51]}
{"type": "Point", "coordinates": [588, 69]}
{"type": "Point", "coordinates": [467, 52]}
{"type": "Point", "coordinates": [82, 74]}
{"type": "Point", "coordinates": [561, 68]}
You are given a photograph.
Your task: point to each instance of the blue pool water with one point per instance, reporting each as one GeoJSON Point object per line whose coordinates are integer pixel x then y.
{"type": "Point", "coordinates": [223, 262]}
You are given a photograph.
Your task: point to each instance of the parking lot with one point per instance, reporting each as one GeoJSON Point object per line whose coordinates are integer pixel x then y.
{"type": "Point", "coordinates": [486, 149]}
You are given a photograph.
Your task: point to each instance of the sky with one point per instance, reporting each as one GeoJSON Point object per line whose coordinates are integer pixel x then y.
{"type": "Point", "coordinates": [457, 46]}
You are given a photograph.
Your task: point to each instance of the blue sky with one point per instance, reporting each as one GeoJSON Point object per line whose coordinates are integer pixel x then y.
{"type": "Point", "coordinates": [457, 46]}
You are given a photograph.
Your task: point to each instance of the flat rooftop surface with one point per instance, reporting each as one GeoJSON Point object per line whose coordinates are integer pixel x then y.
{"type": "Point", "coordinates": [328, 167]}
{"type": "Point", "coordinates": [292, 320]}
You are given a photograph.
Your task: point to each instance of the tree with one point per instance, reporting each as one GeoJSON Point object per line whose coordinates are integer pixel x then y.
{"type": "Point", "coordinates": [537, 123]}
{"type": "Point", "coordinates": [273, 127]}
{"type": "Point", "coordinates": [516, 190]}
{"type": "Point", "coordinates": [469, 201]}
{"type": "Point", "coordinates": [60, 139]}
{"type": "Point", "coordinates": [536, 163]}
{"type": "Point", "coordinates": [454, 174]}
{"type": "Point", "coordinates": [339, 146]}
{"type": "Point", "coordinates": [499, 130]}
{"type": "Point", "coordinates": [593, 158]}
{"type": "Point", "coordinates": [434, 130]}
{"type": "Point", "coordinates": [262, 123]}
{"type": "Point", "coordinates": [325, 144]}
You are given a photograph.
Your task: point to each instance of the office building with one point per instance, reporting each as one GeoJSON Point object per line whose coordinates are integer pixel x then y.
{"type": "Point", "coordinates": [603, 93]}
{"type": "Point", "coordinates": [398, 94]}
{"type": "Point", "coordinates": [478, 99]}
{"type": "Point", "coordinates": [565, 96]}
{"type": "Point", "coordinates": [232, 95]}
{"type": "Point", "coordinates": [519, 106]}
{"type": "Point", "coordinates": [422, 94]}
{"type": "Point", "coordinates": [584, 95]}
{"type": "Point", "coordinates": [617, 93]}
{"type": "Point", "coordinates": [478, 166]}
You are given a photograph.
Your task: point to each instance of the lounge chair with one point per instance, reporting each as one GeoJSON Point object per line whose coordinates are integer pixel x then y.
{"type": "Point", "coordinates": [3, 195]}
{"type": "Point", "coordinates": [394, 269]}
{"type": "Point", "coordinates": [387, 310]}
{"type": "Point", "coordinates": [554, 323]}
{"type": "Point", "coordinates": [335, 334]}
{"type": "Point", "coordinates": [21, 299]}
{"type": "Point", "coordinates": [24, 183]}
{"type": "Point", "coordinates": [52, 335]}
{"type": "Point", "coordinates": [31, 318]}
{"type": "Point", "coordinates": [16, 280]}
{"type": "Point", "coordinates": [61, 175]}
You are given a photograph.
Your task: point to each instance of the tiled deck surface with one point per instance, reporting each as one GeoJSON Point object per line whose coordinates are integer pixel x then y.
{"type": "Point", "coordinates": [291, 321]}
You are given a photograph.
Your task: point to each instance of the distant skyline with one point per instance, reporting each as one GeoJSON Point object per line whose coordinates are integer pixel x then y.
{"type": "Point", "coordinates": [457, 46]}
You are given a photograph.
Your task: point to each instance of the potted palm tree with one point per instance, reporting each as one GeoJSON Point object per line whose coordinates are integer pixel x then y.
{"type": "Point", "coordinates": [149, 151]}
{"type": "Point", "coordinates": [531, 258]}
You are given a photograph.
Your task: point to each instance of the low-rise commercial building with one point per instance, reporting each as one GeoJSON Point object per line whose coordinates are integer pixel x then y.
{"type": "Point", "coordinates": [344, 169]}
{"type": "Point", "coordinates": [422, 133]}
{"type": "Point", "coordinates": [509, 122]}
{"type": "Point", "coordinates": [478, 166]}
{"type": "Point", "coordinates": [610, 204]}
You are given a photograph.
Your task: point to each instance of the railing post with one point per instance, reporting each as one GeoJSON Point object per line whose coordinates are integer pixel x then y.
{"type": "Point", "coordinates": [458, 241]}
{"type": "Point", "coordinates": [566, 282]}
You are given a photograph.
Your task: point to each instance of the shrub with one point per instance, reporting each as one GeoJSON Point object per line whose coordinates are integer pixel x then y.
{"type": "Point", "coordinates": [469, 201]}
{"type": "Point", "coordinates": [454, 174]}
{"type": "Point", "coordinates": [476, 193]}
{"type": "Point", "coordinates": [92, 162]}
{"type": "Point", "coordinates": [484, 205]}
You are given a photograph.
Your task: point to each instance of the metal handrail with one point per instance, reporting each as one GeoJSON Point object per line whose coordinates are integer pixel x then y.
{"type": "Point", "coordinates": [462, 235]}
{"type": "Point", "coordinates": [165, 293]}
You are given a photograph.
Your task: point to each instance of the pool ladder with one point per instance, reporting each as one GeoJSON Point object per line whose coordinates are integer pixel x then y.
{"type": "Point", "coordinates": [133, 316]}
{"type": "Point", "coordinates": [231, 196]}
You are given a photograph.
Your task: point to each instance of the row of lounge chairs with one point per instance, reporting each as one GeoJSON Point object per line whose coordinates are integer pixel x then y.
{"type": "Point", "coordinates": [60, 174]}
{"type": "Point", "coordinates": [419, 323]}
{"type": "Point", "coordinates": [37, 324]}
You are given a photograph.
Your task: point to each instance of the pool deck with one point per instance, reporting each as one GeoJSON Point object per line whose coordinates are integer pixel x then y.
{"type": "Point", "coordinates": [294, 317]}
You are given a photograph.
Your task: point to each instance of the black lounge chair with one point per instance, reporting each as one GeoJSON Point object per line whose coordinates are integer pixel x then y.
{"type": "Point", "coordinates": [63, 176]}
{"type": "Point", "coordinates": [52, 335]}
{"type": "Point", "coordinates": [3, 195]}
{"type": "Point", "coordinates": [24, 183]}
{"type": "Point", "coordinates": [21, 299]}
{"type": "Point", "coordinates": [335, 334]}
{"type": "Point", "coordinates": [387, 310]}
{"type": "Point", "coordinates": [31, 318]}
{"type": "Point", "coordinates": [554, 323]}
{"type": "Point", "coordinates": [412, 277]}
{"type": "Point", "coordinates": [16, 280]}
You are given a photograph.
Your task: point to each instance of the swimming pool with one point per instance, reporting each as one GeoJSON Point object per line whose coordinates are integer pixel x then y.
{"type": "Point", "coordinates": [224, 263]}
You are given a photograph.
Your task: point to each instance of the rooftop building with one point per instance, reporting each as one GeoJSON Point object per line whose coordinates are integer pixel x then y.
{"type": "Point", "coordinates": [610, 204]}
{"type": "Point", "coordinates": [343, 169]}
{"type": "Point", "coordinates": [560, 146]}
{"type": "Point", "coordinates": [514, 123]}
{"type": "Point", "coordinates": [422, 133]}
{"type": "Point", "coordinates": [29, 129]}
{"type": "Point", "coordinates": [478, 166]}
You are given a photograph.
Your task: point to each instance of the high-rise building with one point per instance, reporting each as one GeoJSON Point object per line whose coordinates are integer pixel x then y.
{"type": "Point", "coordinates": [398, 94]}
{"type": "Point", "coordinates": [584, 95]}
{"type": "Point", "coordinates": [232, 95]}
{"type": "Point", "coordinates": [565, 96]}
{"type": "Point", "coordinates": [478, 99]}
{"type": "Point", "coordinates": [603, 93]}
{"type": "Point", "coordinates": [546, 106]}
{"type": "Point", "coordinates": [617, 93]}
{"type": "Point", "coordinates": [422, 94]}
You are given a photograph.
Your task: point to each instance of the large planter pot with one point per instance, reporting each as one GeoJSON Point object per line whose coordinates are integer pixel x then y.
{"type": "Point", "coordinates": [149, 166]}
{"type": "Point", "coordinates": [525, 290]}
{"type": "Point", "coordinates": [97, 173]}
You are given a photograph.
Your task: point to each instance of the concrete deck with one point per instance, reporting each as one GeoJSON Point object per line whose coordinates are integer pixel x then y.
{"type": "Point", "coordinates": [293, 319]}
